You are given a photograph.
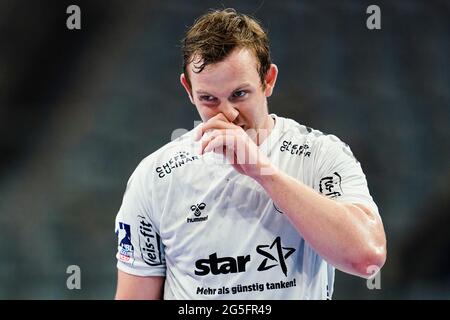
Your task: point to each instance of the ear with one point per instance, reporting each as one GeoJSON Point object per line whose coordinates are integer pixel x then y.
{"type": "Point", "coordinates": [186, 86]}
{"type": "Point", "coordinates": [271, 79]}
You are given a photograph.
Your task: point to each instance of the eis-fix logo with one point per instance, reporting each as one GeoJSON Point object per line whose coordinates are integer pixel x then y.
{"type": "Point", "coordinates": [196, 209]}
{"type": "Point", "coordinates": [150, 243]}
{"type": "Point", "coordinates": [274, 254]}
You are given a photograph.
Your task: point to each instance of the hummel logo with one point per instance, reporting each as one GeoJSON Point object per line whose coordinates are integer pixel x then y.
{"type": "Point", "coordinates": [198, 209]}
{"type": "Point", "coordinates": [275, 255]}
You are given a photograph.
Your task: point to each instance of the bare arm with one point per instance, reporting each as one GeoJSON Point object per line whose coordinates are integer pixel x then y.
{"type": "Point", "coordinates": [349, 236]}
{"type": "Point", "coordinates": [130, 287]}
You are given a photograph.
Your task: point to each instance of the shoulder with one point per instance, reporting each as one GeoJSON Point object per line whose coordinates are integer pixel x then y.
{"type": "Point", "coordinates": [316, 141]}
{"type": "Point", "coordinates": [172, 154]}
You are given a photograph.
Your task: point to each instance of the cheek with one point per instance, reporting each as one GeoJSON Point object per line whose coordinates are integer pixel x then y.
{"type": "Point", "coordinates": [253, 107]}
{"type": "Point", "coordinates": [205, 113]}
{"type": "Point", "coordinates": [256, 111]}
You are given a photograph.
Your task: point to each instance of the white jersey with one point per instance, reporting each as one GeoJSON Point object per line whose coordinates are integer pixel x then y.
{"type": "Point", "coordinates": [216, 234]}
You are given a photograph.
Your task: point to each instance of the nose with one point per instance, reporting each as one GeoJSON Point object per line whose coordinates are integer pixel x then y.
{"type": "Point", "coordinates": [230, 112]}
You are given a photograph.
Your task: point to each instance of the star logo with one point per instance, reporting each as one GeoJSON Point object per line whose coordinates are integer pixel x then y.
{"type": "Point", "coordinates": [274, 252]}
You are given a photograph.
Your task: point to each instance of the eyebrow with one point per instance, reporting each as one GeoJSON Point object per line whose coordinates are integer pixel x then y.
{"type": "Point", "coordinates": [240, 87]}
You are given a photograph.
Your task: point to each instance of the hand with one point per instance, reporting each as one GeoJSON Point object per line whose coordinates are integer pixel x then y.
{"type": "Point", "coordinates": [220, 135]}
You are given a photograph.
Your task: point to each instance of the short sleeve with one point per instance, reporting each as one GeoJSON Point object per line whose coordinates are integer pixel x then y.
{"type": "Point", "coordinates": [140, 250]}
{"type": "Point", "coordinates": [339, 175]}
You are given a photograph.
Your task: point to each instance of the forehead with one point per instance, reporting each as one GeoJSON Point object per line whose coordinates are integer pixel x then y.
{"type": "Point", "coordinates": [239, 67]}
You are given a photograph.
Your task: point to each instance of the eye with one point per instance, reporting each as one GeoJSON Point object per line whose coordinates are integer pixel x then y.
{"type": "Point", "coordinates": [239, 94]}
{"type": "Point", "coordinates": [207, 98]}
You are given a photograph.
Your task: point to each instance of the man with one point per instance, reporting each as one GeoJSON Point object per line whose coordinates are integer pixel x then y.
{"type": "Point", "coordinates": [287, 206]}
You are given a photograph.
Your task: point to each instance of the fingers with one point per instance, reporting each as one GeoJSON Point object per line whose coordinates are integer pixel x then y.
{"type": "Point", "coordinates": [220, 141]}
{"type": "Point", "coordinates": [220, 116]}
{"type": "Point", "coordinates": [209, 136]}
{"type": "Point", "coordinates": [198, 132]}
{"type": "Point", "coordinates": [219, 121]}
{"type": "Point", "coordinates": [232, 148]}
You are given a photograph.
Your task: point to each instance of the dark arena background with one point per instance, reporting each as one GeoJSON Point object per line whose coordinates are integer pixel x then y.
{"type": "Point", "coordinates": [79, 108]}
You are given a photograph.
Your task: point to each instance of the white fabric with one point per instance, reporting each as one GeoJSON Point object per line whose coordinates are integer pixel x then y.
{"type": "Point", "coordinates": [215, 234]}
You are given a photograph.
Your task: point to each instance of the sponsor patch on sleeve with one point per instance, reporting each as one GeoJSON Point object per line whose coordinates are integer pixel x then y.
{"type": "Point", "coordinates": [126, 249]}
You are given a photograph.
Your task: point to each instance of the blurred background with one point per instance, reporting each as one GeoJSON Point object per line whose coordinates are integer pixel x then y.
{"type": "Point", "coordinates": [79, 109]}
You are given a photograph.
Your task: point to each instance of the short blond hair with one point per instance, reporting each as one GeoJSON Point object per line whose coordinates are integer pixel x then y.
{"type": "Point", "coordinates": [217, 33]}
